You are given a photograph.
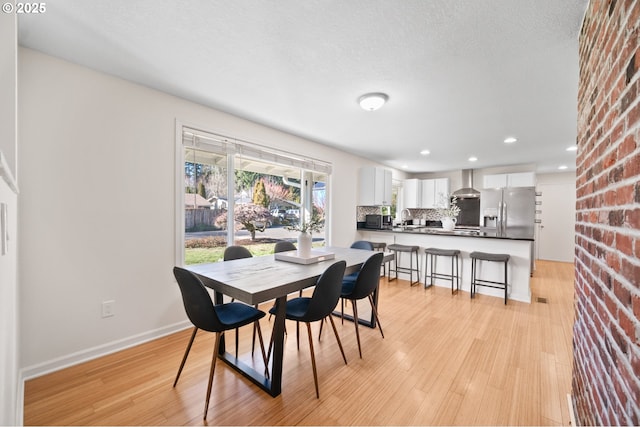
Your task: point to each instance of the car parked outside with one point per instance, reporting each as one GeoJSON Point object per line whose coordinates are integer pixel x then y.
{"type": "Point", "coordinates": [292, 214]}
{"type": "Point", "coordinates": [278, 213]}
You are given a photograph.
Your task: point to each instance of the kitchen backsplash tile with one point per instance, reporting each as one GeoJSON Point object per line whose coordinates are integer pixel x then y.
{"type": "Point", "coordinates": [428, 214]}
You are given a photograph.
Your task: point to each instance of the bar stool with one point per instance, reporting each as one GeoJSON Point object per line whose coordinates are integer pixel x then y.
{"type": "Point", "coordinates": [431, 256]}
{"type": "Point", "coordinates": [395, 248]}
{"type": "Point", "coordinates": [483, 256]}
{"type": "Point", "coordinates": [380, 246]}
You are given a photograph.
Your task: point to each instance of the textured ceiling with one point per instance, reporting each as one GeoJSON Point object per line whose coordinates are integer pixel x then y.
{"type": "Point", "coordinates": [461, 75]}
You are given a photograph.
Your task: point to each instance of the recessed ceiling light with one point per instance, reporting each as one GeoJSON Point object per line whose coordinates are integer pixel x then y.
{"type": "Point", "coordinates": [425, 152]}
{"type": "Point", "coordinates": [405, 167]}
{"type": "Point", "coordinates": [372, 101]}
{"type": "Point", "coordinates": [572, 148]}
{"type": "Point", "coordinates": [562, 167]}
{"type": "Point", "coordinates": [510, 140]}
{"type": "Point", "coordinates": [473, 159]}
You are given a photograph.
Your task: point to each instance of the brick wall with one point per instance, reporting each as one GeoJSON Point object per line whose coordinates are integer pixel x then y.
{"type": "Point", "coordinates": [606, 370]}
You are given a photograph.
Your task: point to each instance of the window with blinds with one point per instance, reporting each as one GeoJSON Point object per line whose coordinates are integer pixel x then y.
{"type": "Point", "coordinates": [239, 192]}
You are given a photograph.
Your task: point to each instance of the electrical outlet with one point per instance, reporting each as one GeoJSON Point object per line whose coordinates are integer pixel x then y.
{"type": "Point", "coordinates": [107, 308]}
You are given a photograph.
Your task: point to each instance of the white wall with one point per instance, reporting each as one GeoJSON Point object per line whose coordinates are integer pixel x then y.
{"type": "Point", "coordinates": [97, 159]}
{"type": "Point", "coordinates": [10, 413]}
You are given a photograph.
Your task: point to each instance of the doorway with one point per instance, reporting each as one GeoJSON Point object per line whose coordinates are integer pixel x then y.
{"type": "Point", "coordinates": [556, 230]}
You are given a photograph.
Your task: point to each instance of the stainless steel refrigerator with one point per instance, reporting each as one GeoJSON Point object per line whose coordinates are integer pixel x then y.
{"type": "Point", "coordinates": [508, 211]}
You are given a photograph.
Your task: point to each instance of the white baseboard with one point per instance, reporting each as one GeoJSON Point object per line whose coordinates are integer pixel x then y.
{"type": "Point", "coordinates": [99, 351]}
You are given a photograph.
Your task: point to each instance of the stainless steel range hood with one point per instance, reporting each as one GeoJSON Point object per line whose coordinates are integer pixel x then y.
{"type": "Point", "coordinates": [467, 191]}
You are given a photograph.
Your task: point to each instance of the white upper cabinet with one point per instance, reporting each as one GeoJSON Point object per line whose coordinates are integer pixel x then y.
{"type": "Point", "coordinates": [435, 192]}
{"type": "Point", "coordinates": [375, 186]}
{"type": "Point", "coordinates": [495, 181]}
{"type": "Point", "coordinates": [411, 193]}
{"type": "Point", "coordinates": [521, 179]}
{"type": "Point", "coordinates": [428, 199]}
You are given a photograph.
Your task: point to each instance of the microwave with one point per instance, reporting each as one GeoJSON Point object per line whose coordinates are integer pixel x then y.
{"type": "Point", "coordinates": [378, 221]}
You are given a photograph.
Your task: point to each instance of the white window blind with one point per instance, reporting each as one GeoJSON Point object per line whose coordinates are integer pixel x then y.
{"type": "Point", "coordinates": [221, 144]}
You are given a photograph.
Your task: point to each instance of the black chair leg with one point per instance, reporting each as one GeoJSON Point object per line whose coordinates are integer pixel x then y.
{"type": "Point", "coordinates": [375, 313]}
{"type": "Point", "coordinates": [335, 332]}
{"type": "Point", "coordinates": [186, 353]}
{"type": "Point", "coordinates": [320, 333]}
{"type": "Point", "coordinates": [313, 360]}
{"type": "Point", "coordinates": [211, 372]}
{"type": "Point", "coordinates": [355, 322]}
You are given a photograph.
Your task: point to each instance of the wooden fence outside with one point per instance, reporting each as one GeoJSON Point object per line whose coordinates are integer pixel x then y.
{"type": "Point", "coordinates": [200, 218]}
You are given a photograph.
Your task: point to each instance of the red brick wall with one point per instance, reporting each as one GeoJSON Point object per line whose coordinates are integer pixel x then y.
{"type": "Point", "coordinates": [606, 370]}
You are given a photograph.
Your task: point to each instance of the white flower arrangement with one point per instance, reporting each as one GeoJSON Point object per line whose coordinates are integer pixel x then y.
{"type": "Point", "coordinates": [452, 211]}
{"type": "Point", "coordinates": [315, 224]}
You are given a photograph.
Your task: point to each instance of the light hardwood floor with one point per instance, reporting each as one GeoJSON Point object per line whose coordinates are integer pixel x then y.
{"type": "Point", "coordinates": [445, 360]}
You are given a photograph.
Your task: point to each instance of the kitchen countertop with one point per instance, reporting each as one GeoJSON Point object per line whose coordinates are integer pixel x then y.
{"type": "Point", "coordinates": [459, 232]}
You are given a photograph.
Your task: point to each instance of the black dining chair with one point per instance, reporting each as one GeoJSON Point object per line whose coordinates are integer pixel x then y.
{"type": "Point", "coordinates": [236, 252]}
{"type": "Point", "coordinates": [317, 307]}
{"type": "Point", "coordinates": [213, 318]}
{"type": "Point", "coordinates": [359, 244]}
{"type": "Point", "coordinates": [284, 246]}
{"type": "Point", "coordinates": [364, 286]}
{"type": "Point", "coordinates": [351, 278]}
{"type": "Point", "coordinates": [362, 244]}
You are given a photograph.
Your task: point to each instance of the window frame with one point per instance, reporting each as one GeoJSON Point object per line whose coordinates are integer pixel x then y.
{"type": "Point", "coordinates": [247, 148]}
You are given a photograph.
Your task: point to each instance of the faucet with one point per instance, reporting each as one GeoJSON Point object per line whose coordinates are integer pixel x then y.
{"type": "Point", "coordinates": [404, 215]}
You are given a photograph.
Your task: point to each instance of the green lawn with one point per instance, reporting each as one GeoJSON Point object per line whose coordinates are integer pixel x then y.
{"type": "Point", "coordinates": [203, 255]}
{"type": "Point", "coordinates": [214, 254]}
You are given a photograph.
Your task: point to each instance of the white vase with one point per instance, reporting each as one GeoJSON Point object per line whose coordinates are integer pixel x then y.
{"type": "Point", "coordinates": [448, 224]}
{"type": "Point", "coordinates": [304, 245]}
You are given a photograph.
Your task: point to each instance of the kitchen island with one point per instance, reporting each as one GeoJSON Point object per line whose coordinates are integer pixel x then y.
{"type": "Point", "coordinates": [517, 245]}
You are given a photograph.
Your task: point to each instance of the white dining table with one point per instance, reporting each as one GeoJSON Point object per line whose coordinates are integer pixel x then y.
{"type": "Point", "coordinates": [259, 279]}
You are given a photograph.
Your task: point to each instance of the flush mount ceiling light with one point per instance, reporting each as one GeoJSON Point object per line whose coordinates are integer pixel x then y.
{"type": "Point", "coordinates": [372, 101]}
{"type": "Point", "coordinates": [562, 167]}
{"type": "Point", "coordinates": [572, 148]}
{"type": "Point", "coordinates": [510, 140]}
{"type": "Point", "coordinates": [473, 159]}
{"type": "Point", "coordinates": [425, 152]}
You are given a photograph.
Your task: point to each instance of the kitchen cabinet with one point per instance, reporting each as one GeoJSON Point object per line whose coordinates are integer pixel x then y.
{"type": "Point", "coordinates": [520, 179]}
{"type": "Point", "coordinates": [375, 186]}
{"type": "Point", "coordinates": [435, 192]}
{"type": "Point", "coordinates": [411, 194]}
